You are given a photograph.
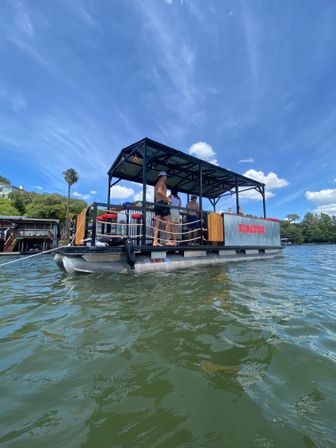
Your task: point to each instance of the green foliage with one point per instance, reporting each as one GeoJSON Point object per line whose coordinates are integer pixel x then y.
{"type": "Point", "coordinates": [291, 231]}
{"type": "Point", "coordinates": [319, 228]}
{"type": "Point", "coordinates": [7, 208]}
{"type": "Point", "coordinates": [76, 206]}
{"type": "Point", "coordinates": [53, 206]}
{"type": "Point", "coordinates": [47, 206]}
{"type": "Point", "coordinates": [312, 229]}
{"type": "Point", "coordinates": [4, 180]}
{"type": "Point", "coordinates": [293, 217]}
{"type": "Point", "coordinates": [70, 176]}
{"type": "Point", "coordinates": [20, 199]}
{"type": "Point", "coordinates": [44, 205]}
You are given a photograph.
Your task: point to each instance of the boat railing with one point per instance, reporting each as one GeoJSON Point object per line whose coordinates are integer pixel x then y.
{"type": "Point", "coordinates": [111, 223]}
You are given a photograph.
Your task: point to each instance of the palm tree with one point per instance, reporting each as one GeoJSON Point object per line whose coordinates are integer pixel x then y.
{"type": "Point", "coordinates": [71, 177]}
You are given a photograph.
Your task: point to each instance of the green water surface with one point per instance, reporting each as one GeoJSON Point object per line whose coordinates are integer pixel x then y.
{"type": "Point", "coordinates": [238, 355]}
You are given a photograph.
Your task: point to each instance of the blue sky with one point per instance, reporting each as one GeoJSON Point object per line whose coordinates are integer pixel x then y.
{"type": "Point", "coordinates": [251, 84]}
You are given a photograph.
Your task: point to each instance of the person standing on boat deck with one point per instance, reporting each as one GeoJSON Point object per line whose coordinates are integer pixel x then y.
{"type": "Point", "coordinates": [162, 212]}
{"type": "Point", "coordinates": [175, 201]}
{"type": "Point", "coordinates": [193, 217]}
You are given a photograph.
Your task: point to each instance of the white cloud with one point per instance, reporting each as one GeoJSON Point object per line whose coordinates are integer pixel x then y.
{"type": "Point", "coordinates": [271, 180]}
{"type": "Point", "coordinates": [330, 209]}
{"type": "Point", "coordinates": [84, 196]}
{"type": "Point", "coordinates": [250, 160]}
{"type": "Point", "coordinates": [38, 187]}
{"type": "Point", "coordinates": [93, 192]}
{"type": "Point", "coordinates": [120, 192]}
{"type": "Point", "coordinates": [203, 151]}
{"type": "Point", "coordinates": [323, 197]}
{"type": "Point", "coordinates": [149, 194]}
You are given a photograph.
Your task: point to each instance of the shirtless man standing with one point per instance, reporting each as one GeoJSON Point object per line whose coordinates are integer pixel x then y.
{"type": "Point", "coordinates": [162, 212]}
{"type": "Point", "coordinates": [193, 218]}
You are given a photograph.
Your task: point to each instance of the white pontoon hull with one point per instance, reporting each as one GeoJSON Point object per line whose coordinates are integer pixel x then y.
{"type": "Point", "coordinates": [116, 263]}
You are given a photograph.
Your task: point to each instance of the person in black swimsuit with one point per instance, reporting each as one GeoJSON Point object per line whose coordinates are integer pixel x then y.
{"type": "Point", "coordinates": [162, 212]}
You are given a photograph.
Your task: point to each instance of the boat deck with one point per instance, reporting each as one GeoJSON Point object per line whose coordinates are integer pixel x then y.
{"type": "Point", "coordinates": [139, 249]}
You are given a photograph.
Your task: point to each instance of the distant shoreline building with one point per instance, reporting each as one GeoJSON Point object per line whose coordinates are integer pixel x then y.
{"type": "Point", "coordinates": [6, 189]}
{"type": "Point", "coordinates": [21, 234]}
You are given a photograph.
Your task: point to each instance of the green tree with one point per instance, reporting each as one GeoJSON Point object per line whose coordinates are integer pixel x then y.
{"type": "Point", "coordinates": [76, 206]}
{"type": "Point", "coordinates": [291, 231]}
{"type": "Point", "coordinates": [310, 227]}
{"type": "Point", "coordinates": [333, 224]}
{"type": "Point", "coordinates": [7, 208]}
{"type": "Point", "coordinates": [20, 199]}
{"type": "Point", "coordinates": [319, 228]}
{"type": "Point", "coordinates": [53, 206]}
{"type": "Point", "coordinates": [4, 180]}
{"type": "Point", "coordinates": [326, 227]}
{"type": "Point", "coordinates": [71, 177]}
{"type": "Point", "coordinates": [293, 217]}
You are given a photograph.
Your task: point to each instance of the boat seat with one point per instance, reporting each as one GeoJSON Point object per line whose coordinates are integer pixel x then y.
{"type": "Point", "coordinates": [107, 216]}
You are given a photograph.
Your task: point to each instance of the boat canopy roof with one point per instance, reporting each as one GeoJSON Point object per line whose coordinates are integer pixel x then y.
{"type": "Point", "coordinates": [186, 173]}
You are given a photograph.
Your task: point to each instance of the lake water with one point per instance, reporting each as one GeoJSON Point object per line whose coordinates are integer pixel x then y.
{"type": "Point", "coordinates": [238, 355]}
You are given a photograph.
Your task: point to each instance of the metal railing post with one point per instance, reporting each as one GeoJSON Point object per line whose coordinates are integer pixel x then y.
{"type": "Point", "coordinates": [94, 225]}
{"type": "Point", "coordinates": [144, 196]}
{"type": "Point", "coordinates": [127, 221]}
{"type": "Point", "coordinates": [201, 200]}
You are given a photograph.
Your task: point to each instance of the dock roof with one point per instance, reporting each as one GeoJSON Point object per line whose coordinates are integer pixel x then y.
{"type": "Point", "coordinates": [27, 219]}
{"type": "Point", "coordinates": [183, 170]}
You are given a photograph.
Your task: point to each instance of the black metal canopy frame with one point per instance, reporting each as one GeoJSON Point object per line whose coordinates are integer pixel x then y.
{"type": "Point", "coordinates": [142, 161]}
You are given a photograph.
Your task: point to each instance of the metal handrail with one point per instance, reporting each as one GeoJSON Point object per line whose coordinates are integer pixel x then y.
{"type": "Point", "coordinates": [129, 209]}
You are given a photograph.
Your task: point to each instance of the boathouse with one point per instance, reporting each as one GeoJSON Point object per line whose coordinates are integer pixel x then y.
{"type": "Point", "coordinates": [20, 234]}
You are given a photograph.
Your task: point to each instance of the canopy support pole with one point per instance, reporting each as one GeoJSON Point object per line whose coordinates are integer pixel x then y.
{"type": "Point", "coordinates": [109, 189]}
{"type": "Point", "coordinates": [200, 199]}
{"type": "Point", "coordinates": [264, 202]}
{"type": "Point", "coordinates": [237, 197]}
{"type": "Point", "coordinates": [144, 194]}
{"type": "Point", "coordinates": [115, 183]}
{"type": "Point", "coordinates": [216, 202]}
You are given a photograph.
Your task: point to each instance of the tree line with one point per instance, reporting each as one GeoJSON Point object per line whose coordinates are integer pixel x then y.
{"type": "Point", "coordinates": [37, 205]}
{"type": "Point", "coordinates": [43, 205]}
{"type": "Point", "coordinates": [312, 229]}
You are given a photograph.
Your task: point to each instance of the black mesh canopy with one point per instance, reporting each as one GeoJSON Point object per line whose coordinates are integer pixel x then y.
{"type": "Point", "coordinates": [186, 173]}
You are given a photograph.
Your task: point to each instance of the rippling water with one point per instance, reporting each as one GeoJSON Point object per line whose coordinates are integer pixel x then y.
{"type": "Point", "coordinates": [239, 355]}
